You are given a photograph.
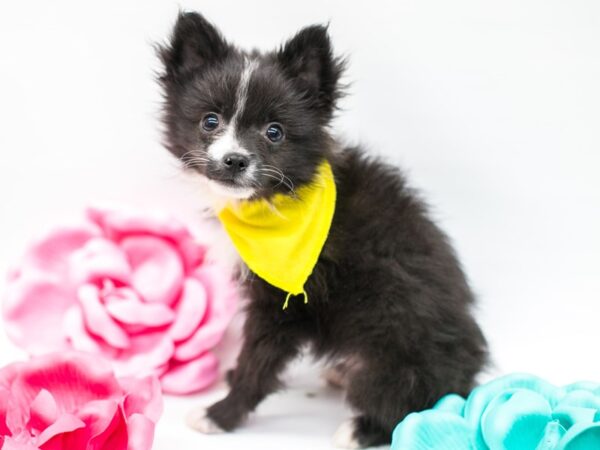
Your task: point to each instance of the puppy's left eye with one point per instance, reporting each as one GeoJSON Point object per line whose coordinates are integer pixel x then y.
{"type": "Point", "coordinates": [274, 132]}
{"type": "Point", "coordinates": [210, 122]}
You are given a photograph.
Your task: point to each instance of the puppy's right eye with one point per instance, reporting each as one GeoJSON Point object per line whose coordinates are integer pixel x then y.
{"type": "Point", "coordinates": [210, 122]}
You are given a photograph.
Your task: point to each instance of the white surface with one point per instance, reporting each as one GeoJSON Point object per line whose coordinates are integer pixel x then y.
{"type": "Point", "coordinates": [492, 107]}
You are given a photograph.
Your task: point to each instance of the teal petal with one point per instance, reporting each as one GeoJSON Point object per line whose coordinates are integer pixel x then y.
{"type": "Point", "coordinates": [433, 430]}
{"type": "Point", "coordinates": [552, 435]}
{"type": "Point", "coordinates": [581, 437]}
{"type": "Point", "coordinates": [570, 415]}
{"type": "Point", "coordinates": [516, 420]}
{"type": "Point", "coordinates": [580, 398]}
{"type": "Point", "coordinates": [514, 412]}
{"type": "Point", "coordinates": [479, 399]}
{"type": "Point", "coordinates": [591, 386]}
{"type": "Point", "coordinates": [451, 403]}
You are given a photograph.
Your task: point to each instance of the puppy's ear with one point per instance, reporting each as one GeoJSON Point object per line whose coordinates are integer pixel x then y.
{"type": "Point", "coordinates": [308, 60]}
{"type": "Point", "coordinates": [194, 43]}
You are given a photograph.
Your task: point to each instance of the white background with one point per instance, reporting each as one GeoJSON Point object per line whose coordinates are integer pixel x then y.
{"type": "Point", "coordinates": [493, 109]}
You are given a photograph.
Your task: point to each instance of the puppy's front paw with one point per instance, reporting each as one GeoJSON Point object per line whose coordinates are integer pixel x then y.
{"type": "Point", "coordinates": [345, 436]}
{"type": "Point", "coordinates": [199, 421]}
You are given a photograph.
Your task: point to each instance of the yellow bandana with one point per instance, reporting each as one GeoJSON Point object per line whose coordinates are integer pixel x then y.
{"type": "Point", "coordinates": [281, 239]}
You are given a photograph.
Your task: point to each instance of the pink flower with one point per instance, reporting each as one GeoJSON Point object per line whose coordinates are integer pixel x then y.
{"type": "Point", "coordinates": [74, 401]}
{"type": "Point", "coordinates": [133, 289]}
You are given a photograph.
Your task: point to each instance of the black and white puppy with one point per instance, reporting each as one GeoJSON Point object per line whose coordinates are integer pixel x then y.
{"type": "Point", "coordinates": [389, 304]}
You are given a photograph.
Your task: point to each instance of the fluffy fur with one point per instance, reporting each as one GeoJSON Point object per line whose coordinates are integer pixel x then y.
{"type": "Point", "coordinates": [389, 303]}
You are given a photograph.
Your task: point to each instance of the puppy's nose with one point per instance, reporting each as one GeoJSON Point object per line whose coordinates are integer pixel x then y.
{"type": "Point", "coordinates": [236, 162]}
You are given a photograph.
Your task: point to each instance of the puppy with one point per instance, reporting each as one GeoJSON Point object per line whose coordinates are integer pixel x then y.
{"type": "Point", "coordinates": [388, 304]}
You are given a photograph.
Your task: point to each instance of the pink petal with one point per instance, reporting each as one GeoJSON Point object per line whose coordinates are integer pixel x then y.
{"type": "Point", "coordinates": [97, 418]}
{"type": "Point", "coordinates": [99, 259]}
{"type": "Point", "coordinates": [220, 290]}
{"type": "Point", "coordinates": [161, 369]}
{"type": "Point", "coordinates": [105, 425]}
{"type": "Point", "coordinates": [4, 405]}
{"type": "Point", "coordinates": [51, 253]}
{"type": "Point", "coordinates": [81, 340]}
{"type": "Point", "coordinates": [11, 444]}
{"type": "Point", "coordinates": [13, 417]}
{"type": "Point", "coordinates": [141, 432]}
{"type": "Point", "coordinates": [73, 379]}
{"type": "Point", "coordinates": [97, 319]}
{"type": "Point", "coordinates": [192, 251]}
{"type": "Point", "coordinates": [33, 309]}
{"type": "Point", "coordinates": [97, 415]}
{"type": "Point", "coordinates": [221, 297]}
{"type": "Point", "coordinates": [190, 310]}
{"type": "Point", "coordinates": [115, 437]}
{"type": "Point", "coordinates": [157, 268]}
{"type": "Point", "coordinates": [77, 334]}
{"type": "Point", "coordinates": [132, 311]}
{"type": "Point", "coordinates": [191, 376]}
{"type": "Point", "coordinates": [146, 356]}
{"type": "Point", "coordinates": [204, 339]}
{"type": "Point", "coordinates": [143, 396]}
{"type": "Point", "coordinates": [64, 424]}
{"type": "Point", "coordinates": [120, 224]}
{"type": "Point", "coordinates": [8, 374]}
{"type": "Point", "coordinates": [43, 411]}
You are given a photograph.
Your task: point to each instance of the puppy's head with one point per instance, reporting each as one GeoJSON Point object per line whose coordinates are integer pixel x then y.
{"type": "Point", "coordinates": [250, 124]}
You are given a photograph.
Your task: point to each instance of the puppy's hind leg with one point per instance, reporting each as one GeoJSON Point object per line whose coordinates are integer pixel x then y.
{"type": "Point", "coordinates": [382, 397]}
{"type": "Point", "coordinates": [360, 432]}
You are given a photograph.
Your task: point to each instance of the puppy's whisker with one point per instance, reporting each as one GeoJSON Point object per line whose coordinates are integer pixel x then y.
{"type": "Point", "coordinates": [280, 172]}
{"type": "Point", "coordinates": [286, 181]}
{"type": "Point", "coordinates": [191, 159]}
{"type": "Point", "coordinates": [191, 153]}
{"type": "Point", "coordinates": [193, 165]}
{"type": "Point", "coordinates": [267, 170]}
{"type": "Point", "coordinates": [194, 158]}
{"type": "Point", "coordinates": [275, 178]}
{"type": "Point", "coordinates": [195, 161]}
{"type": "Point", "coordinates": [280, 176]}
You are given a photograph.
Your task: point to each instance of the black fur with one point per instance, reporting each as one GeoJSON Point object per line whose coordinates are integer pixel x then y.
{"type": "Point", "coordinates": [387, 294]}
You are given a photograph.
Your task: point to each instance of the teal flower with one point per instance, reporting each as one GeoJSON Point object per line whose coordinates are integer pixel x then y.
{"type": "Point", "coordinates": [514, 412]}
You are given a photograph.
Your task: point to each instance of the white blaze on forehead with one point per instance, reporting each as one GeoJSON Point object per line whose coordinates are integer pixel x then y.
{"type": "Point", "coordinates": [242, 90]}
{"type": "Point", "coordinates": [228, 142]}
